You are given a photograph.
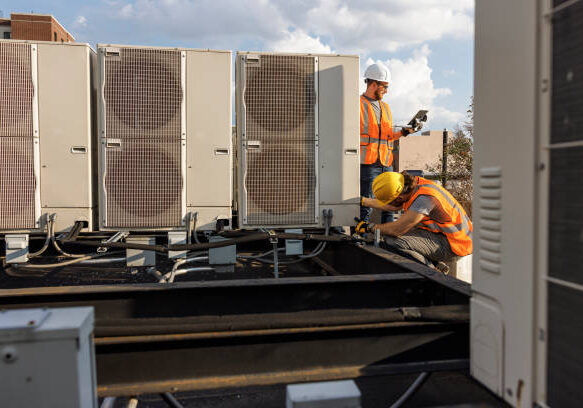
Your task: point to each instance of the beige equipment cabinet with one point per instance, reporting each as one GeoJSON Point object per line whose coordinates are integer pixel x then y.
{"type": "Point", "coordinates": [45, 135]}
{"type": "Point", "coordinates": [526, 331]}
{"type": "Point", "coordinates": [165, 137]}
{"type": "Point", "coordinates": [298, 139]}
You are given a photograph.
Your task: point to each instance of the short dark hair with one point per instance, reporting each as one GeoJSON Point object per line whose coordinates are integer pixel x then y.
{"type": "Point", "coordinates": [408, 183]}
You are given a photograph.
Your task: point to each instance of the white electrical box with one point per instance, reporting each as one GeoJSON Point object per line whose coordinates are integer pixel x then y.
{"type": "Point", "coordinates": [47, 358]}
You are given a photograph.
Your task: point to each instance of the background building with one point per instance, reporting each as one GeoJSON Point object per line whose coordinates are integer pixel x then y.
{"type": "Point", "coordinates": [418, 151]}
{"type": "Point", "coordinates": [36, 27]}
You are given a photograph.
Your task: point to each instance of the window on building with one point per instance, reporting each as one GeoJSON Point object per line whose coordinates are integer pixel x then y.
{"type": "Point", "coordinates": [6, 35]}
{"type": "Point", "coordinates": [55, 36]}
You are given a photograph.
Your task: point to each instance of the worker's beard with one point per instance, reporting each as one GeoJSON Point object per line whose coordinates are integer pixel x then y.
{"type": "Point", "coordinates": [378, 94]}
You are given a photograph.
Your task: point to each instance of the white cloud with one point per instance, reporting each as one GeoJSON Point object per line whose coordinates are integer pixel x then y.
{"type": "Point", "coordinates": [80, 22]}
{"type": "Point", "coordinates": [348, 27]}
{"type": "Point", "coordinates": [412, 89]}
{"type": "Point", "coordinates": [299, 41]}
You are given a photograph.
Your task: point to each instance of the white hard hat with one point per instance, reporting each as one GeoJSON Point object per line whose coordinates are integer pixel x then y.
{"type": "Point", "coordinates": [377, 72]}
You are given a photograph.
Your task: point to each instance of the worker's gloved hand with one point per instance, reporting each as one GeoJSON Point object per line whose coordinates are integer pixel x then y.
{"type": "Point", "coordinates": [363, 227]}
{"type": "Point", "coordinates": [407, 130]}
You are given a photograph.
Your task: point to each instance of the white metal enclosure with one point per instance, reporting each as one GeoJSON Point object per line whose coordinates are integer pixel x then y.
{"type": "Point", "coordinates": [165, 135]}
{"type": "Point", "coordinates": [526, 329]}
{"type": "Point", "coordinates": [298, 139]}
{"type": "Point", "coordinates": [45, 134]}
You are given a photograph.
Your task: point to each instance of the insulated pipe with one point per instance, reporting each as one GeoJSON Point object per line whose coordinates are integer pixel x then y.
{"type": "Point", "coordinates": [59, 264]}
{"type": "Point", "coordinates": [108, 402]}
{"type": "Point", "coordinates": [47, 240]}
{"type": "Point", "coordinates": [171, 400]}
{"type": "Point", "coordinates": [411, 390]}
{"type": "Point", "coordinates": [179, 263]}
{"type": "Point", "coordinates": [103, 261]}
{"type": "Point", "coordinates": [169, 277]}
{"type": "Point", "coordinates": [194, 228]}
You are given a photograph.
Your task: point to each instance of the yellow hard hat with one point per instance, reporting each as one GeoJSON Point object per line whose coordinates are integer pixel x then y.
{"type": "Point", "coordinates": [387, 186]}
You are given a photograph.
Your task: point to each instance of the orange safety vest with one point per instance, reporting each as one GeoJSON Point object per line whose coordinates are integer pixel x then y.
{"type": "Point", "coordinates": [458, 230]}
{"type": "Point", "coordinates": [373, 146]}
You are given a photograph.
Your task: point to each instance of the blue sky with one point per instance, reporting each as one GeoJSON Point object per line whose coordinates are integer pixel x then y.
{"type": "Point", "coordinates": [427, 44]}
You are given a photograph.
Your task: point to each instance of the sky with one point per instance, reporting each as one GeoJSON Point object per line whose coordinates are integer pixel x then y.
{"type": "Point", "coordinates": [426, 44]}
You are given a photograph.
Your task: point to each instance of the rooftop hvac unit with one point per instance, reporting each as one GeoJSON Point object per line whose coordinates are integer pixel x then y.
{"type": "Point", "coordinates": [45, 134]}
{"type": "Point", "coordinates": [526, 330]}
{"type": "Point", "coordinates": [298, 139]}
{"type": "Point", "coordinates": [165, 131]}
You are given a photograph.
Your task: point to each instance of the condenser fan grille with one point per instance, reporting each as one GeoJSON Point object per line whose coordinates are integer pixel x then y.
{"type": "Point", "coordinates": [143, 93]}
{"type": "Point", "coordinates": [143, 98]}
{"type": "Point", "coordinates": [17, 183]}
{"type": "Point", "coordinates": [280, 161]}
{"type": "Point", "coordinates": [17, 180]}
{"type": "Point", "coordinates": [144, 184]}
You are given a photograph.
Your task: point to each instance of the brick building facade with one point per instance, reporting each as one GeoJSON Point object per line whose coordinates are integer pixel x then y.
{"type": "Point", "coordinates": [36, 27]}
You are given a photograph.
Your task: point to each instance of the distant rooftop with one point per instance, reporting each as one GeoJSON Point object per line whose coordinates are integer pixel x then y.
{"type": "Point", "coordinates": [32, 26]}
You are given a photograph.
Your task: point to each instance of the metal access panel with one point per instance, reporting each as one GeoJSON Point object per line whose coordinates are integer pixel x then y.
{"type": "Point", "coordinates": [45, 134]}
{"type": "Point", "coordinates": [161, 156]}
{"type": "Point", "coordinates": [279, 104]}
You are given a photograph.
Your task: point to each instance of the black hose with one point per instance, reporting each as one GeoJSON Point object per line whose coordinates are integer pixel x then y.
{"type": "Point", "coordinates": [419, 381]}
{"type": "Point", "coordinates": [207, 245]}
{"type": "Point", "coordinates": [122, 245]}
{"type": "Point", "coordinates": [171, 400]}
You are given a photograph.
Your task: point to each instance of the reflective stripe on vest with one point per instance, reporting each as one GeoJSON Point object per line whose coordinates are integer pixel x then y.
{"type": "Point", "coordinates": [459, 230]}
{"type": "Point", "coordinates": [371, 143]}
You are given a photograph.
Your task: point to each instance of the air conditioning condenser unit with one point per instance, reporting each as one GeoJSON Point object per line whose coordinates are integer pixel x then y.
{"type": "Point", "coordinates": [45, 134]}
{"type": "Point", "coordinates": [165, 137]}
{"type": "Point", "coordinates": [298, 139]}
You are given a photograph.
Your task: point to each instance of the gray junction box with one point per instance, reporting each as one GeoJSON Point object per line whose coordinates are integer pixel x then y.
{"type": "Point", "coordinates": [329, 394]}
{"type": "Point", "coordinates": [47, 358]}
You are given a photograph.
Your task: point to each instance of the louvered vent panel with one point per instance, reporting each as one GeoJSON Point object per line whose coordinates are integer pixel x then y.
{"type": "Point", "coordinates": [490, 193]}
{"type": "Point", "coordinates": [280, 103]}
{"type": "Point", "coordinates": [17, 182]}
{"type": "Point", "coordinates": [143, 102]}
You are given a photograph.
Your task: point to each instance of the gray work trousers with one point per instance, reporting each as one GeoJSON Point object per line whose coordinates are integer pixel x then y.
{"type": "Point", "coordinates": [430, 245]}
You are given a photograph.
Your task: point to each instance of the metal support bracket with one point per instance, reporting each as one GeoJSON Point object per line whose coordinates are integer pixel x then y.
{"type": "Point", "coordinates": [118, 236]}
{"type": "Point", "coordinates": [273, 239]}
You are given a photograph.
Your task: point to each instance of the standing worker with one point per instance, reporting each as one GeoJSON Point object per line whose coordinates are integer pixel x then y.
{"type": "Point", "coordinates": [376, 134]}
{"type": "Point", "coordinates": [434, 224]}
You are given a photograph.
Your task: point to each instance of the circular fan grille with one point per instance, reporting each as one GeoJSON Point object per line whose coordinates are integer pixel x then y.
{"type": "Point", "coordinates": [279, 94]}
{"type": "Point", "coordinates": [144, 181]}
{"type": "Point", "coordinates": [279, 180]}
{"type": "Point", "coordinates": [143, 92]}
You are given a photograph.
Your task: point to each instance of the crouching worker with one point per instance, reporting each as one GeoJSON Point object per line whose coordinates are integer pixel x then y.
{"type": "Point", "coordinates": [434, 224]}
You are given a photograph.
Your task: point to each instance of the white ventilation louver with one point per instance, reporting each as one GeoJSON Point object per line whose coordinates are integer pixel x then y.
{"type": "Point", "coordinates": [280, 99]}
{"type": "Point", "coordinates": [45, 134]}
{"type": "Point", "coordinates": [149, 137]}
